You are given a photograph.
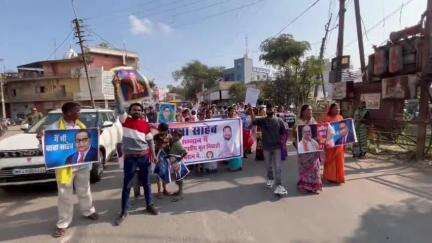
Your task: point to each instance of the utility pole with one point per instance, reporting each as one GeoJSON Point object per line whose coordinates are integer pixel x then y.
{"type": "Point", "coordinates": [3, 77]}
{"type": "Point", "coordinates": [321, 57]}
{"type": "Point", "coordinates": [340, 41]}
{"type": "Point", "coordinates": [360, 37]}
{"type": "Point", "coordinates": [79, 34]}
{"type": "Point", "coordinates": [424, 85]}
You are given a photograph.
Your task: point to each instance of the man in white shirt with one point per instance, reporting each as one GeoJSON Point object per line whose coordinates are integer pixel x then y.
{"type": "Point", "coordinates": [229, 146]}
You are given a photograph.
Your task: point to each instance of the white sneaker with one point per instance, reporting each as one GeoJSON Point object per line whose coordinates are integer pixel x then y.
{"type": "Point", "coordinates": [280, 190]}
{"type": "Point", "coordinates": [270, 183]}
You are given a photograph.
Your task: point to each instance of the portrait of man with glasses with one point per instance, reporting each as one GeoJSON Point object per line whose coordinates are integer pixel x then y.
{"type": "Point", "coordinates": [85, 152]}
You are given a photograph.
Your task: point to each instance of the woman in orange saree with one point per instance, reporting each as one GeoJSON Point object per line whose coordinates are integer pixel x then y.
{"type": "Point", "coordinates": [334, 171]}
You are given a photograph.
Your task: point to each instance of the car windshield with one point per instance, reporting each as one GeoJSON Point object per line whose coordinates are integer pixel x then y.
{"type": "Point", "coordinates": [88, 118]}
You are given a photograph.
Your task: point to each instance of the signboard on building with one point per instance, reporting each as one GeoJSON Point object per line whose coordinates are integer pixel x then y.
{"type": "Point", "coordinates": [400, 87]}
{"type": "Point", "coordinates": [373, 101]}
{"type": "Point", "coordinates": [339, 91]}
{"type": "Point", "coordinates": [107, 87]}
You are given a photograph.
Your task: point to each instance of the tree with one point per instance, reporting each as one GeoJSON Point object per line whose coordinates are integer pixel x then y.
{"type": "Point", "coordinates": [237, 92]}
{"type": "Point", "coordinates": [282, 50]}
{"type": "Point", "coordinates": [195, 75]}
{"type": "Point", "coordinates": [298, 75]}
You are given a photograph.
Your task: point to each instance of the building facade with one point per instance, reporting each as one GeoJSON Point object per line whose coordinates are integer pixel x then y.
{"type": "Point", "coordinates": [244, 71]}
{"type": "Point", "coordinates": [46, 85]}
{"type": "Point", "coordinates": [218, 94]}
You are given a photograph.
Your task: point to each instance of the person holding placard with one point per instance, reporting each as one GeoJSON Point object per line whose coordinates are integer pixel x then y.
{"type": "Point", "coordinates": [70, 178]}
{"type": "Point", "coordinates": [308, 163]}
{"type": "Point", "coordinates": [138, 150]}
{"type": "Point", "coordinates": [334, 171]}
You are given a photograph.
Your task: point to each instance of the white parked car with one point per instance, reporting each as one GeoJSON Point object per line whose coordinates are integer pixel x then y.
{"type": "Point", "coordinates": [21, 157]}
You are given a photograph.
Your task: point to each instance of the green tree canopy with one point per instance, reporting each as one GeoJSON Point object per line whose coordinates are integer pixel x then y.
{"type": "Point", "coordinates": [196, 74]}
{"type": "Point", "coordinates": [280, 51]}
{"type": "Point", "coordinates": [298, 74]}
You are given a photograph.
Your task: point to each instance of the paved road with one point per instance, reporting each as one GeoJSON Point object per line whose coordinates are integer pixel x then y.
{"type": "Point", "coordinates": [381, 202]}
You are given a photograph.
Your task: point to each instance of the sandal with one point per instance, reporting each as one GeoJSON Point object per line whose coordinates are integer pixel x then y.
{"type": "Point", "coordinates": [60, 232]}
{"type": "Point", "coordinates": [93, 216]}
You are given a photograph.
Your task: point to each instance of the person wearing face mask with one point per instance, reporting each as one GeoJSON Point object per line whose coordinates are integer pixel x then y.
{"type": "Point", "coordinates": [138, 150]}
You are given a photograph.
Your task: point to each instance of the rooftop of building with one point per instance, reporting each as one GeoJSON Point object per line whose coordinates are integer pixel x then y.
{"type": "Point", "coordinates": [91, 50]}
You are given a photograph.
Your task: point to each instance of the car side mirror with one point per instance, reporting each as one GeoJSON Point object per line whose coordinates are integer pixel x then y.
{"type": "Point", "coordinates": [107, 124]}
{"type": "Point", "coordinates": [25, 127]}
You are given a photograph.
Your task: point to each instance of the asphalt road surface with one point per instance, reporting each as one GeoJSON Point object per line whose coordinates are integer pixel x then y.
{"type": "Point", "coordinates": [380, 202]}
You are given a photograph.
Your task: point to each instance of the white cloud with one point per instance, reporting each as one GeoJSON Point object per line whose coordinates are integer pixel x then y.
{"type": "Point", "coordinates": [140, 26]}
{"type": "Point", "coordinates": [164, 28]}
{"type": "Point", "coordinates": [146, 27]}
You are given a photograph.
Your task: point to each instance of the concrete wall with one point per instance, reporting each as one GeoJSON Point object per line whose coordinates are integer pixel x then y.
{"type": "Point", "coordinates": [53, 89]}
{"type": "Point", "coordinates": [60, 68]}
{"type": "Point", "coordinates": [109, 62]}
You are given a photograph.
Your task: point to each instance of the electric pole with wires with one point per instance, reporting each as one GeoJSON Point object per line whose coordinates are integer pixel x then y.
{"type": "Point", "coordinates": [425, 82]}
{"type": "Point", "coordinates": [79, 34]}
{"type": "Point", "coordinates": [340, 41]}
{"type": "Point", "coordinates": [321, 58]}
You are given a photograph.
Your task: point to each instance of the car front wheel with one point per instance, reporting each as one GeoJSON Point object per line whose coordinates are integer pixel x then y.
{"type": "Point", "coordinates": [97, 169]}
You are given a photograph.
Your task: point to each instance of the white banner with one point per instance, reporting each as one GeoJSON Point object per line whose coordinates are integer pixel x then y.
{"type": "Point", "coordinates": [210, 141]}
{"type": "Point", "coordinates": [252, 95]}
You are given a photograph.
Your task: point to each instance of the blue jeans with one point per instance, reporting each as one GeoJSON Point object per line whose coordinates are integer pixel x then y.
{"type": "Point", "coordinates": [129, 169]}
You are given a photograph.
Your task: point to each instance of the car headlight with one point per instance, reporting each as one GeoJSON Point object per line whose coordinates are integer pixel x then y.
{"type": "Point", "coordinates": [23, 153]}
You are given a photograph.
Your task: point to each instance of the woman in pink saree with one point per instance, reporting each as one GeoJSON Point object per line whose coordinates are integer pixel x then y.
{"type": "Point", "coordinates": [309, 163]}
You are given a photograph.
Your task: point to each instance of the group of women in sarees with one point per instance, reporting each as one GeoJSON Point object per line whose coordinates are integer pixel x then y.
{"type": "Point", "coordinates": [310, 180]}
{"type": "Point", "coordinates": [333, 158]}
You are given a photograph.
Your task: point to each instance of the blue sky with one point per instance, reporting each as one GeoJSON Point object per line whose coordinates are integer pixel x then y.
{"type": "Point", "coordinates": [169, 33]}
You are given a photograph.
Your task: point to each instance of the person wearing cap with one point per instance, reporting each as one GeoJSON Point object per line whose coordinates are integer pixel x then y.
{"type": "Point", "coordinates": [272, 128]}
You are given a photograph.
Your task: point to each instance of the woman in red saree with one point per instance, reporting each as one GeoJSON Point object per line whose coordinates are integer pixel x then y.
{"type": "Point", "coordinates": [334, 171]}
{"type": "Point", "coordinates": [247, 132]}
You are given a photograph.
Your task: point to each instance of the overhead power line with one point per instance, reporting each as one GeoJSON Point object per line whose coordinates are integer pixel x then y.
{"type": "Point", "coordinates": [221, 13]}
{"type": "Point", "coordinates": [298, 16]}
{"type": "Point", "coordinates": [377, 24]}
{"type": "Point", "coordinates": [201, 8]}
{"type": "Point", "coordinates": [124, 10]}
{"type": "Point", "coordinates": [102, 38]}
{"type": "Point", "coordinates": [161, 10]}
{"type": "Point", "coordinates": [61, 44]}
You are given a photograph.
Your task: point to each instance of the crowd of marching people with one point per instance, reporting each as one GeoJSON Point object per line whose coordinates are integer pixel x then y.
{"type": "Point", "coordinates": [266, 131]}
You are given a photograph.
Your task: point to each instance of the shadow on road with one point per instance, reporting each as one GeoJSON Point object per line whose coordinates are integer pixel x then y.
{"type": "Point", "coordinates": [407, 222]}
